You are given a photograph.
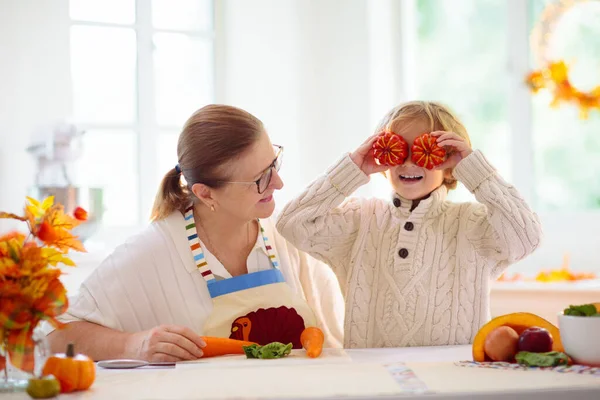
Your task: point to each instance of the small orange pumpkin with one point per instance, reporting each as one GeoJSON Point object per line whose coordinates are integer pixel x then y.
{"type": "Point", "coordinates": [73, 371]}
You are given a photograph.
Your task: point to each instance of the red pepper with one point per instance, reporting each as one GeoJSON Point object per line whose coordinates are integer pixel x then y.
{"type": "Point", "coordinates": [390, 149]}
{"type": "Point", "coordinates": [426, 153]}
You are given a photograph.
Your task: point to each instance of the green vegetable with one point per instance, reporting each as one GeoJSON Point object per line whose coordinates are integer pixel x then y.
{"type": "Point", "coordinates": [549, 359]}
{"type": "Point", "coordinates": [268, 351]}
{"type": "Point", "coordinates": [585, 310]}
{"type": "Point", "coordinates": [251, 351]}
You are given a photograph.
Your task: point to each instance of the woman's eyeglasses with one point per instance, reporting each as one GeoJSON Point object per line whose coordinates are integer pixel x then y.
{"type": "Point", "coordinates": [262, 183]}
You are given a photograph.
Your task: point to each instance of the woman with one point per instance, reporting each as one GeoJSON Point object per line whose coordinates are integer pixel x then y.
{"type": "Point", "coordinates": [211, 263]}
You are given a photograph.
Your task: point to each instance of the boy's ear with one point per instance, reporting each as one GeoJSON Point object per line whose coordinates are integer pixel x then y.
{"type": "Point", "coordinates": [448, 174]}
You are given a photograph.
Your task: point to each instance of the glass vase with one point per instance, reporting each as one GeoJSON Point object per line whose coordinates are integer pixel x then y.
{"type": "Point", "coordinates": [13, 379]}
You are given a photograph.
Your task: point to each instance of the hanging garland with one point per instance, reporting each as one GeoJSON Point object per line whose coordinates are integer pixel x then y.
{"type": "Point", "coordinates": [554, 75]}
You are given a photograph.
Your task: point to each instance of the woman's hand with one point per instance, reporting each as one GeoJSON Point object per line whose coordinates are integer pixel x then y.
{"type": "Point", "coordinates": [363, 157]}
{"type": "Point", "coordinates": [456, 146]}
{"type": "Point", "coordinates": [168, 343]}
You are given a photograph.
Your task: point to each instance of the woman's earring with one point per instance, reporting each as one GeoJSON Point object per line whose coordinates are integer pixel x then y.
{"type": "Point", "coordinates": [212, 208]}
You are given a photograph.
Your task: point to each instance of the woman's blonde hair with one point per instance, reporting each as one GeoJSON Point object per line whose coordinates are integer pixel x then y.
{"type": "Point", "coordinates": [437, 116]}
{"type": "Point", "coordinates": [213, 136]}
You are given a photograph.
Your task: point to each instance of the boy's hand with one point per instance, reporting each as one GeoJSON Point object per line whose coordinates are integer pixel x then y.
{"type": "Point", "coordinates": [456, 146]}
{"type": "Point", "coordinates": [363, 157]}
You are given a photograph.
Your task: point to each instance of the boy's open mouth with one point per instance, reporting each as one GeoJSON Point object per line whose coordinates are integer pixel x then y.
{"type": "Point", "coordinates": [410, 178]}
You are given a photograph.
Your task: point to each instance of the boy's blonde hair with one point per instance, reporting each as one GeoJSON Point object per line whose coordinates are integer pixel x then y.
{"type": "Point", "coordinates": [437, 116]}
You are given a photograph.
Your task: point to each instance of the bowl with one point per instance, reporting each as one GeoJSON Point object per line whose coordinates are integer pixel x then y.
{"type": "Point", "coordinates": [580, 337]}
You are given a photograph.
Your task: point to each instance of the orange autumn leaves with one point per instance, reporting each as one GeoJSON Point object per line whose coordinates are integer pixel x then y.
{"type": "Point", "coordinates": [52, 226]}
{"type": "Point", "coordinates": [555, 77]}
{"type": "Point", "coordinates": [30, 289]}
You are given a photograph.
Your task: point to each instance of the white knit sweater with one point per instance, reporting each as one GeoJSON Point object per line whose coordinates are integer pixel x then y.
{"type": "Point", "coordinates": [413, 278]}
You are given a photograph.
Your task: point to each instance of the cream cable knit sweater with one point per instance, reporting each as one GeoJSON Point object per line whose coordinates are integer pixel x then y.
{"type": "Point", "coordinates": [419, 278]}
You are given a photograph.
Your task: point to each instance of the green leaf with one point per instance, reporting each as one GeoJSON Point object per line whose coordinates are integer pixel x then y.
{"type": "Point", "coordinates": [13, 254]}
{"type": "Point", "coordinates": [252, 351]}
{"type": "Point", "coordinates": [268, 351]}
{"type": "Point", "coordinates": [549, 359]}
{"type": "Point", "coordinates": [275, 350]}
{"type": "Point", "coordinates": [585, 310]}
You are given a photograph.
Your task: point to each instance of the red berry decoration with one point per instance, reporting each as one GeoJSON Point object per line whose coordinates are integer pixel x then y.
{"type": "Point", "coordinates": [426, 153]}
{"type": "Point", "coordinates": [390, 149]}
{"type": "Point", "coordinates": [80, 214]}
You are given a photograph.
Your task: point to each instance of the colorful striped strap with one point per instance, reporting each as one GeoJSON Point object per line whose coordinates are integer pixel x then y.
{"type": "Point", "coordinates": [198, 254]}
{"type": "Point", "coordinates": [270, 252]}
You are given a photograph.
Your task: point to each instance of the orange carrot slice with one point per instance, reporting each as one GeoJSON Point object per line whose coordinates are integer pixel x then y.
{"type": "Point", "coordinates": [312, 339]}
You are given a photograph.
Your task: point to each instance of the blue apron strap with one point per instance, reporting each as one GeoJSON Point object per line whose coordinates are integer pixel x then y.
{"type": "Point", "coordinates": [246, 281]}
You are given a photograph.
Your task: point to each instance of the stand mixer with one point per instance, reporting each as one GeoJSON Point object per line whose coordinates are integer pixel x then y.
{"type": "Point", "coordinates": [56, 148]}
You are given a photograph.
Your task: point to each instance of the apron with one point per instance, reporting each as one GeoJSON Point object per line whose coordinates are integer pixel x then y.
{"type": "Point", "coordinates": [257, 307]}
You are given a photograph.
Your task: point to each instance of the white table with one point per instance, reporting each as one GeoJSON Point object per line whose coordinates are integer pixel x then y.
{"type": "Point", "coordinates": [434, 365]}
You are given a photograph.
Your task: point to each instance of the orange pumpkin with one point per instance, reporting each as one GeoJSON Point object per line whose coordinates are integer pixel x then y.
{"type": "Point", "coordinates": [519, 322]}
{"type": "Point", "coordinates": [73, 371]}
{"type": "Point", "coordinates": [390, 149]}
{"type": "Point", "coordinates": [426, 153]}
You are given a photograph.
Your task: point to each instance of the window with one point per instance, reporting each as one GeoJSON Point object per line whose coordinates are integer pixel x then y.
{"type": "Point", "coordinates": [566, 147]}
{"type": "Point", "coordinates": [468, 72]}
{"type": "Point", "coordinates": [139, 69]}
{"type": "Point", "coordinates": [474, 56]}
{"type": "Point", "coordinates": [476, 73]}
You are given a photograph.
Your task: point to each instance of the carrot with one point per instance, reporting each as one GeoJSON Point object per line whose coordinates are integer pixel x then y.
{"type": "Point", "coordinates": [218, 346]}
{"type": "Point", "coordinates": [312, 339]}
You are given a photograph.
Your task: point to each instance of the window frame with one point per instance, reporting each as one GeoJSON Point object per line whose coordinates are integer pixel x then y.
{"type": "Point", "coordinates": [145, 125]}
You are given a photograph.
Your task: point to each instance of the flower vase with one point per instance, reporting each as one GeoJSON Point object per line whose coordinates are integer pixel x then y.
{"type": "Point", "coordinates": [13, 379]}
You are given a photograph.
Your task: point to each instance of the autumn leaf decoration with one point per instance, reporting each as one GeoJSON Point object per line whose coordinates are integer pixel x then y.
{"type": "Point", "coordinates": [555, 78]}
{"type": "Point", "coordinates": [30, 288]}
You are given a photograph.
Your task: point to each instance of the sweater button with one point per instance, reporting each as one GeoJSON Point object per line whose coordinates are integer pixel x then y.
{"type": "Point", "coordinates": [403, 253]}
{"type": "Point", "coordinates": [397, 202]}
{"type": "Point", "coordinates": [409, 226]}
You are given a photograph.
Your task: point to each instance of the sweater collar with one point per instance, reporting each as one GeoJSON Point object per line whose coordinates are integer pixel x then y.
{"type": "Point", "coordinates": [431, 206]}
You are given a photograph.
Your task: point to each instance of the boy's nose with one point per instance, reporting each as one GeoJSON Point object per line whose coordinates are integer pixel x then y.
{"type": "Point", "coordinates": [409, 160]}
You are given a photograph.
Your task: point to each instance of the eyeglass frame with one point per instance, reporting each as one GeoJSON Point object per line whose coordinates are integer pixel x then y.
{"type": "Point", "coordinates": [268, 170]}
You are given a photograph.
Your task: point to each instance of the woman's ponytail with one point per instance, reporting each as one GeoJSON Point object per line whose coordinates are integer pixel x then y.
{"type": "Point", "coordinates": [171, 196]}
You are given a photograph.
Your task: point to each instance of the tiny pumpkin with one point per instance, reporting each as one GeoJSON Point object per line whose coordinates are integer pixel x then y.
{"type": "Point", "coordinates": [390, 149]}
{"type": "Point", "coordinates": [43, 388]}
{"type": "Point", "coordinates": [426, 153]}
{"type": "Point", "coordinates": [73, 371]}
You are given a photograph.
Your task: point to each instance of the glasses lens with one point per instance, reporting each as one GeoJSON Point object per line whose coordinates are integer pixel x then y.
{"type": "Point", "coordinates": [264, 181]}
{"type": "Point", "coordinates": [278, 162]}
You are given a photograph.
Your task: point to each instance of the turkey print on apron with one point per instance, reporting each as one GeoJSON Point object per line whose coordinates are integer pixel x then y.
{"type": "Point", "coordinates": [257, 307]}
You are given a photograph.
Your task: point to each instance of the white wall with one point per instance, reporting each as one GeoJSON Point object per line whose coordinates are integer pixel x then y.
{"type": "Point", "coordinates": [34, 86]}
{"type": "Point", "coordinates": [303, 68]}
